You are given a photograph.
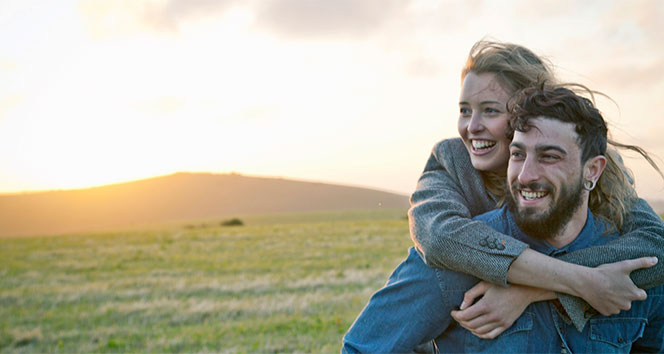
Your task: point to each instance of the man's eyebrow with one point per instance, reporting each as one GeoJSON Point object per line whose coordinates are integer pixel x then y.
{"type": "Point", "coordinates": [517, 145]}
{"type": "Point", "coordinates": [540, 148]}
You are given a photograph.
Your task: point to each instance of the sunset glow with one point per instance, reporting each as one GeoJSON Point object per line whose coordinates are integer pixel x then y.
{"type": "Point", "coordinates": [353, 92]}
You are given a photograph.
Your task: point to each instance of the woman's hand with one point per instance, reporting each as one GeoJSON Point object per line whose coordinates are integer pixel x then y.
{"type": "Point", "coordinates": [498, 308]}
{"type": "Point", "coordinates": [608, 287]}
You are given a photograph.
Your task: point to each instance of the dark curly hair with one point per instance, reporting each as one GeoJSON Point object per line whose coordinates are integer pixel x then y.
{"type": "Point", "coordinates": [562, 104]}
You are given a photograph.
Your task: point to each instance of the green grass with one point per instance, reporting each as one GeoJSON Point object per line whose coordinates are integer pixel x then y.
{"type": "Point", "coordinates": [293, 284]}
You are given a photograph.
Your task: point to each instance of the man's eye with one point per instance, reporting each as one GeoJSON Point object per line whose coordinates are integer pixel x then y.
{"type": "Point", "coordinates": [516, 155]}
{"type": "Point", "coordinates": [551, 158]}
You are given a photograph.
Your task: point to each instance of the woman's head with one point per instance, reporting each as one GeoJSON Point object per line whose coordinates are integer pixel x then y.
{"type": "Point", "coordinates": [493, 72]}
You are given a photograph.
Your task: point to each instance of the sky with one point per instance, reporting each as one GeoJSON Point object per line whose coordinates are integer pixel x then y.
{"type": "Point", "coordinates": [353, 92]}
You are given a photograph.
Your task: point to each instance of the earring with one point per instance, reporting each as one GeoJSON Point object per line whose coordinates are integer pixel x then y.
{"type": "Point", "coordinates": [589, 184]}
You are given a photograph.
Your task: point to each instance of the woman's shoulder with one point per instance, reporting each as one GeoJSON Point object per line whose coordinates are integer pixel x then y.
{"type": "Point", "coordinates": [450, 145]}
{"type": "Point", "coordinates": [452, 152]}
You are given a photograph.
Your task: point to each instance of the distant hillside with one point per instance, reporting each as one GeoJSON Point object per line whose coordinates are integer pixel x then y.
{"type": "Point", "coordinates": [177, 197]}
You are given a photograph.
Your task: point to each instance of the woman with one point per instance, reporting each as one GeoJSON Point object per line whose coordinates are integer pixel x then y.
{"type": "Point", "coordinates": [465, 177]}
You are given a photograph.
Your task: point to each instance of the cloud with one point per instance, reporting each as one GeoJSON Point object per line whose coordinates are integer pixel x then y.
{"type": "Point", "coordinates": [285, 18]}
{"type": "Point", "coordinates": [424, 67]}
{"type": "Point", "coordinates": [105, 19]}
{"type": "Point", "coordinates": [644, 16]}
{"type": "Point", "coordinates": [625, 76]}
{"type": "Point", "coordinates": [324, 18]}
{"type": "Point", "coordinates": [169, 15]}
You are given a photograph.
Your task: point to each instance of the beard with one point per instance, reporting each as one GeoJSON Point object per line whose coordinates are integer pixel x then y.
{"type": "Point", "coordinates": [551, 222]}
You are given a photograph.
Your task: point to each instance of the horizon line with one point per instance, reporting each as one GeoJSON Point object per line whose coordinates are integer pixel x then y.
{"type": "Point", "coordinates": [295, 179]}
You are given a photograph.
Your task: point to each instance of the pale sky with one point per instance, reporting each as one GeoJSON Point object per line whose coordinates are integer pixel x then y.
{"type": "Point", "coordinates": [343, 91]}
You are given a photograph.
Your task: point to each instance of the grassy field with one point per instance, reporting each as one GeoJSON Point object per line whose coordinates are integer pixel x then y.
{"type": "Point", "coordinates": [288, 283]}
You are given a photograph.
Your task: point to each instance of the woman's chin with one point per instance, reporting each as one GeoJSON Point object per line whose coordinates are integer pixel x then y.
{"type": "Point", "coordinates": [486, 164]}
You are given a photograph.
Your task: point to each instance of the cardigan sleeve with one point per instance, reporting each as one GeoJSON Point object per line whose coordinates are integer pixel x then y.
{"type": "Point", "coordinates": [643, 236]}
{"type": "Point", "coordinates": [448, 194]}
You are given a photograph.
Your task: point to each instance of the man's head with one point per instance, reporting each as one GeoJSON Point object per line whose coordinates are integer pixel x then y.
{"type": "Point", "coordinates": [556, 157]}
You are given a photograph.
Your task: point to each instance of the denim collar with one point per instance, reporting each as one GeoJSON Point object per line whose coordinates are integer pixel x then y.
{"type": "Point", "coordinates": [588, 236]}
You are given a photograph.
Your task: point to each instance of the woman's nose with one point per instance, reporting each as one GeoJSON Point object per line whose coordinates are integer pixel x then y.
{"type": "Point", "coordinates": [475, 124]}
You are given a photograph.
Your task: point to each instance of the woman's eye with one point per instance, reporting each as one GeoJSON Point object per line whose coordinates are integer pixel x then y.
{"type": "Point", "coordinates": [491, 111]}
{"type": "Point", "coordinates": [464, 111]}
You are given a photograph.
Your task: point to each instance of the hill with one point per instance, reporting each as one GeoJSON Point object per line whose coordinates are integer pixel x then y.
{"type": "Point", "coordinates": [177, 197]}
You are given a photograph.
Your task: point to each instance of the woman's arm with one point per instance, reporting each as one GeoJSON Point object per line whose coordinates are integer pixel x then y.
{"type": "Point", "coordinates": [607, 288]}
{"type": "Point", "coordinates": [449, 193]}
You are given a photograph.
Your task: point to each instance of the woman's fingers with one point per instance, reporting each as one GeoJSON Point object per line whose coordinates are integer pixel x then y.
{"type": "Point", "coordinates": [469, 297]}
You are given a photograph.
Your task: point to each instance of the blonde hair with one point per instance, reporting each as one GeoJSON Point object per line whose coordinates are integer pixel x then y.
{"type": "Point", "coordinates": [614, 195]}
{"type": "Point", "coordinates": [516, 67]}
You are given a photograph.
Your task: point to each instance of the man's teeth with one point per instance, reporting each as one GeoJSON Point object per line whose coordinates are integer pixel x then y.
{"type": "Point", "coordinates": [532, 195]}
{"type": "Point", "coordinates": [482, 144]}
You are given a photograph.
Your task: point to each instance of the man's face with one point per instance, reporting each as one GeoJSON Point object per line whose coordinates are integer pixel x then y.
{"type": "Point", "coordinates": [545, 177]}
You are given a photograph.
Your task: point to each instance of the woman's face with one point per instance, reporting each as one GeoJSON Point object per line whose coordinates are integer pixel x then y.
{"type": "Point", "coordinates": [483, 121]}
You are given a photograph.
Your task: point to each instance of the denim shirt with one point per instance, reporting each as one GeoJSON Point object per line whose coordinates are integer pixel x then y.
{"type": "Point", "coordinates": [543, 329]}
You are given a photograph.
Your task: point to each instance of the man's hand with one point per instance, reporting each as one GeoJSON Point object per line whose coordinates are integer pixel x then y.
{"type": "Point", "coordinates": [608, 287]}
{"type": "Point", "coordinates": [498, 308]}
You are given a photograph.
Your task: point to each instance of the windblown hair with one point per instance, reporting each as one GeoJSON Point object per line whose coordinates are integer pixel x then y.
{"type": "Point", "coordinates": [562, 104]}
{"type": "Point", "coordinates": [515, 67]}
{"type": "Point", "coordinates": [614, 195]}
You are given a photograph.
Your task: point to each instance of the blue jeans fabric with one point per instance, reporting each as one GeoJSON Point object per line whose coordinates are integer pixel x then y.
{"type": "Point", "coordinates": [414, 307]}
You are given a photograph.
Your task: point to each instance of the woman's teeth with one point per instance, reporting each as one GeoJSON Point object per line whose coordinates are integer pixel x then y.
{"type": "Point", "coordinates": [482, 144]}
{"type": "Point", "coordinates": [532, 195]}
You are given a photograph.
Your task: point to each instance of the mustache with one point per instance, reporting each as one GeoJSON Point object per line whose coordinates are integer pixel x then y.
{"type": "Point", "coordinates": [534, 186]}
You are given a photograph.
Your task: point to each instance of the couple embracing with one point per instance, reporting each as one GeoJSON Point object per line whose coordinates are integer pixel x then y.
{"type": "Point", "coordinates": [529, 236]}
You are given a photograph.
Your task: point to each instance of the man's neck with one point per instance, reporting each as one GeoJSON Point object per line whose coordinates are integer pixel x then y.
{"type": "Point", "coordinates": [571, 230]}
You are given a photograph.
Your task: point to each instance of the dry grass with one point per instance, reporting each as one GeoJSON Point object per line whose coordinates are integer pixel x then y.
{"type": "Point", "coordinates": [266, 288]}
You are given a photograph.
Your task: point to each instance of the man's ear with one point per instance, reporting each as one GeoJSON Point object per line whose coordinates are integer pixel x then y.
{"type": "Point", "coordinates": [594, 168]}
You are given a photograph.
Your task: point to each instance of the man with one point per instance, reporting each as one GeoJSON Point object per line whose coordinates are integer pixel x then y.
{"type": "Point", "coordinates": [556, 157]}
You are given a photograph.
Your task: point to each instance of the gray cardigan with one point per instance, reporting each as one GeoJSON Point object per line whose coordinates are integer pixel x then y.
{"type": "Point", "coordinates": [450, 192]}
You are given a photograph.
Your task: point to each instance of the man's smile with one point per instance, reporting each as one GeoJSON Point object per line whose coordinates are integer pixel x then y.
{"type": "Point", "coordinates": [533, 195]}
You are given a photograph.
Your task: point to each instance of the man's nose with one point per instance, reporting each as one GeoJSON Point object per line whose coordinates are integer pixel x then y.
{"type": "Point", "coordinates": [475, 125]}
{"type": "Point", "coordinates": [530, 171]}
